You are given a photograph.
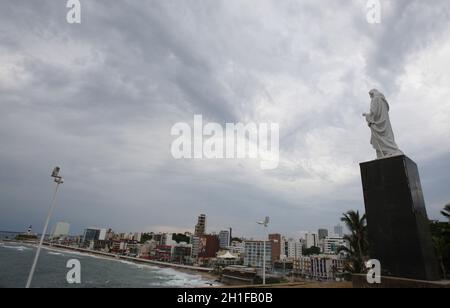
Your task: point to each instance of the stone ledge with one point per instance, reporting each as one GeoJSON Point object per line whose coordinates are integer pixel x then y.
{"type": "Point", "coordinates": [360, 281]}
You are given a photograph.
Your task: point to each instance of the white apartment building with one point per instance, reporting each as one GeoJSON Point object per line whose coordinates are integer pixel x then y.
{"type": "Point", "coordinates": [167, 240]}
{"type": "Point", "coordinates": [323, 267]}
{"type": "Point", "coordinates": [331, 244]}
{"type": "Point", "coordinates": [237, 248]}
{"type": "Point", "coordinates": [311, 240]}
{"type": "Point", "coordinates": [195, 242]}
{"type": "Point", "coordinates": [254, 253]}
{"type": "Point", "coordinates": [293, 249]}
{"type": "Point", "coordinates": [339, 230]}
{"type": "Point", "coordinates": [224, 238]}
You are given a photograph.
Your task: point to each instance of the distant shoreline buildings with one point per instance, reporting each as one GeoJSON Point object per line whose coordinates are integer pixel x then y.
{"type": "Point", "coordinates": [315, 255]}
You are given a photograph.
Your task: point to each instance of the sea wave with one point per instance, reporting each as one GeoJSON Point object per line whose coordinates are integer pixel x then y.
{"type": "Point", "coordinates": [63, 252]}
{"type": "Point", "coordinates": [140, 265]}
{"type": "Point", "coordinates": [19, 248]}
{"type": "Point", "coordinates": [149, 275]}
{"type": "Point", "coordinates": [127, 262]}
{"type": "Point", "coordinates": [55, 253]}
{"type": "Point", "coordinates": [180, 279]}
{"type": "Point", "coordinates": [168, 277]}
{"type": "Point", "coordinates": [187, 282]}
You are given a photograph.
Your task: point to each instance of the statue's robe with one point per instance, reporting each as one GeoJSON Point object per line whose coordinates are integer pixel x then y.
{"type": "Point", "coordinates": [382, 140]}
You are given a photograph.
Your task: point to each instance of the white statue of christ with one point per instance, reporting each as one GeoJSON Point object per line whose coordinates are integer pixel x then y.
{"type": "Point", "coordinates": [382, 140]}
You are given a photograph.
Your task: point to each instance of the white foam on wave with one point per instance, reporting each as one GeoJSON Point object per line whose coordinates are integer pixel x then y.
{"type": "Point", "coordinates": [55, 253]}
{"type": "Point", "coordinates": [188, 282]}
{"type": "Point", "coordinates": [18, 248]}
{"type": "Point", "coordinates": [168, 277]}
{"type": "Point", "coordinates": [180, 279]}
{"type": "Point", "coordinates": [76, 253]}
{"type": "Point", "coordinates": [172, 277]}
{"type": "Point", "coordinates": [127, 262]}
{"type": "Point", "coordinates": [139, 265]}
{"type": "Point", "coordinates": [148, 266]}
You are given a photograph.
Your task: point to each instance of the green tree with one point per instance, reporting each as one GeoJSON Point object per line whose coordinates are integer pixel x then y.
{"type": "Point", "coordinates": [359, 246]}
{"type": "Point", "coordinates": [441, 246]}
{"type": "Point", "coordinates": [440, 232]}
{"type": "Point", "coordinates": [180, 237]}
{"type": "Point", "coordinates": [146, 237]}
{"type": "Point", "coordinates": [311, 251]}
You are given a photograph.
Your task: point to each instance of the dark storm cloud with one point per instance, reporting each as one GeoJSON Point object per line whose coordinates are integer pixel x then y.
{"type": "Point", "coordinates": [99, 99]}
{"type": "Point", "coordinates": [408, 26]}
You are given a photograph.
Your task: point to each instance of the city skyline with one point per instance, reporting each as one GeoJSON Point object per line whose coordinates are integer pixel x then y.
{"type": "Point", "coordinates": [99, 100]}
{"type": "Point", "coordinates": [216, 231]}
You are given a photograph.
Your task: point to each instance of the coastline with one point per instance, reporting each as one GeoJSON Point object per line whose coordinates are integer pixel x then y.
{"type": "Point", "coordinates": [205, 273]}
{"type": "Point", "coordinates": [209, 279]}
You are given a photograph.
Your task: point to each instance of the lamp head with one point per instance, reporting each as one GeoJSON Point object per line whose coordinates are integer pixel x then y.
{"type": "Point", "coordinates": [55, 172]}
{"type": "Point", "coordinates": [265, 222]}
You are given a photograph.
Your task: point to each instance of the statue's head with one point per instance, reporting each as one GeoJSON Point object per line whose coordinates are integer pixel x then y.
{"type": "Point", "coordinates": [374, 92]}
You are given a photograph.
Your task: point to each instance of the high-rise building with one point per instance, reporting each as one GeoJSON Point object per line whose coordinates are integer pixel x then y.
{"type": "Point", "coordinates": [331, 244]}
{"type": "Point", "coordinates": [254, 253]}
{"type": "Point", "coordinates": [200, 227]}
{"type": "Point", "coordinates": [293, 249]}
{"type": "Point", "coordinates": [137, 237]}
{"type": "Point", "coordinates": [209, 246]}
{"type": "Point", "coordinates": [339, 231]}
{"type": "Point", "coordinates": [195, 242]}
{"type": "Point", "coordinates": [110, 235]}
{"type": "Point", "coordinates": [181, 252]}
{"type": "Point", "coordinates": [311, 240]}
{"type": "Point", "coordinates": [323, 233]}
{"type": "Point", "coordinates": [225, 238]}
{"type": "Point", "coordinates": [94, 234]}
{"type": "Point", "coordinates": [61, 229]}
{"type": "Point", "coordinates": [167, 239]}
{"type": "Point", "coordinates": [237, 248]}
{"type": "Point", "coordinates": [319, 267]}
{"type": "Point", "coordinates": [275, 239]}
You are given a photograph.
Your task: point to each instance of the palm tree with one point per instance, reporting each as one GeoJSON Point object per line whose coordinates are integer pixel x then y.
{"type": "Point", "coordinates": [440, 246]}
{"type": "Point", "coordinates": [446, 211]}
{"type": "Point", "coordinates": [358, 249]}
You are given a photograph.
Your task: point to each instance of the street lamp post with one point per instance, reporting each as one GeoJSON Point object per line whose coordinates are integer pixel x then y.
{"type": "Point", "coordinates": [264, 223]}
{"type": "Point", "coordinates": [58, 180]}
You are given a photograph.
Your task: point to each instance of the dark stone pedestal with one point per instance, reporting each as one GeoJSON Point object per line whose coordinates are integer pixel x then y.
{"type": "Point", "coordinates": [398, 226]}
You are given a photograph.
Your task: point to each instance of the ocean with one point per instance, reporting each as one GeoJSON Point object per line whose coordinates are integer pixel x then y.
{"type": "Point", "coordinates": [96, 272]}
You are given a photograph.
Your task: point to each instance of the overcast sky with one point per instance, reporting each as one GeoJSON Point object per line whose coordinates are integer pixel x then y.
{"type": "Point", "coordinates": [99, 99]}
